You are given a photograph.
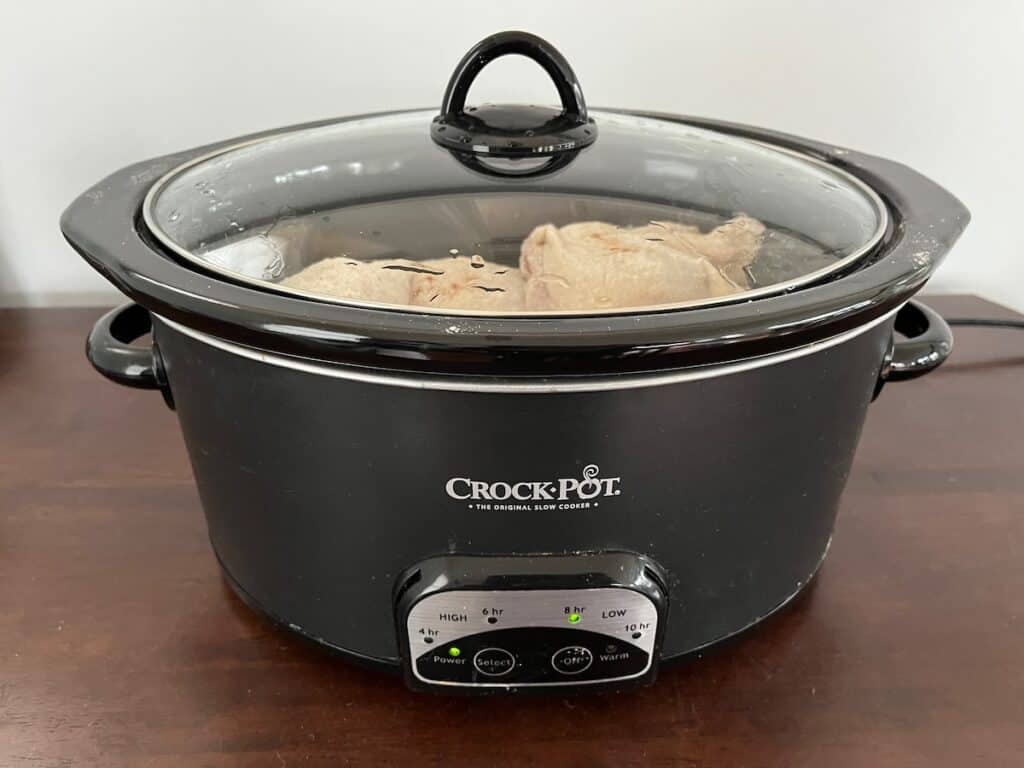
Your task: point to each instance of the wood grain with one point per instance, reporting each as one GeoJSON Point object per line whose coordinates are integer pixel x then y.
{"type": "Point", "coordinates": [121, 646]}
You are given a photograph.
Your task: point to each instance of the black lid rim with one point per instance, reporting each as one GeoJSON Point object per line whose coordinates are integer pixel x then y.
{"type": "Point", "coordinates": [104, 225]}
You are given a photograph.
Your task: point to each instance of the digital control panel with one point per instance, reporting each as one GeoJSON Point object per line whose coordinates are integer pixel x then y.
{"type": "Point", "coordinates": [533, 621]}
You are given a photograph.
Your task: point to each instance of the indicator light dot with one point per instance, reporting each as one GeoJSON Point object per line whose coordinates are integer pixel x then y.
{"type": "Point", "coordinates": [453, 652]}
{"type": "Point", "coordinates": [636, 635]}
{"type": "Point", "coordinates": [574, 618]}
{"type": "Point", "coordinates": [428, 640]}
{"type": "Point", "coordinates": [492, 619]}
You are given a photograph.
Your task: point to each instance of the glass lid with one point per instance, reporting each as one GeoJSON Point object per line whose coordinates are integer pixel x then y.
{"type": "Point", "coordinates": [510, 210]}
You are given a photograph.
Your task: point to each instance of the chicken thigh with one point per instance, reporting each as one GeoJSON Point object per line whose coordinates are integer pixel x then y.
{"type": "Point", "coordinates": [595, 265]}
{"type": "Point", "coordinates": [460, 282]}
{"type": "Point", "coordinates": [732, 247]}
{"type": "Point", "coordinates": [457, 282]}
{"type": "Point", "coordinates": [386, 282]}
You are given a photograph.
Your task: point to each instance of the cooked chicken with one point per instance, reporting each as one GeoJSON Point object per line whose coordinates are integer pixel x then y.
{"type": "Point", "coordinates": [387, 282]}
{"type": "Point", "coordinates": [594, 265]}
{"type": "Point", "coordinates": [582, 266]}
{"type": "Point", "coordinates": [457, 282]}
{"type": "Point", "coordinates": [460, 282]}
{"type": "Point", "coordinates": [731, 247]}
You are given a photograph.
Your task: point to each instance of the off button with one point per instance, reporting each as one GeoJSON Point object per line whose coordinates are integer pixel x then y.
{"type": "Point", "coordinates": [572, 660]}
{"type": "Point", "coordinates": [494, 662]}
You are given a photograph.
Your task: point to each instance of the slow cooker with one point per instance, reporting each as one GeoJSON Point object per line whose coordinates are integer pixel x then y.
{"type": "Point", "coordinates": [517, 494]}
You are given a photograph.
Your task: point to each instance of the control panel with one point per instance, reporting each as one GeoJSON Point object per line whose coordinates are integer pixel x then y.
{"type": "Point", "coordinates": [531, 621]}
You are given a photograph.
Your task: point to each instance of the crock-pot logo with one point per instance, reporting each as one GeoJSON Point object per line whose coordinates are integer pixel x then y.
{"type": "Point", "coordinates": [561, 493]}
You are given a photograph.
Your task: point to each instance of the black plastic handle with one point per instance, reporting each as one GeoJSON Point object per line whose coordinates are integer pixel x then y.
{"type": "Point", "coordinates": [523, 44]}
{"type": "Point", "coordinates": [109, 349]}
{"type": "Point", "coordinates": [928, 344]}
{"type": "Point", "coordinates": [513, 130]}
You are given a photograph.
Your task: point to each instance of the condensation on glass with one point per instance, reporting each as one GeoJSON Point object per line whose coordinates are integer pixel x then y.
{"type": "Point", "coordinates": [654, 215]}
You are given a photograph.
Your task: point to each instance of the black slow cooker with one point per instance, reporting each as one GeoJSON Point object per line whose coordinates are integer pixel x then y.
{"type": "Point", "coordinates": [508, 493]}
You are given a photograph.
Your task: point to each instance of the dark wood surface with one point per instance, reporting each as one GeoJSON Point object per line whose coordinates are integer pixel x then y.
{"type": "Point", "coordinates": [121, 646]}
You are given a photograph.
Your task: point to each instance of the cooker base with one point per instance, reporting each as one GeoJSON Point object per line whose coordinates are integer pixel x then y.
{"type": "Point", "coordinates": [393, 665]}
{"type": "Point", "coordinates": [725, 641]}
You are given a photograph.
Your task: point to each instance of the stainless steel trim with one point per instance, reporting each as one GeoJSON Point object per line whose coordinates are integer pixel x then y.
{"type": "Point", "coordinates": [525, 385]}
{"type": "Point", "coordinates": [769, 290]}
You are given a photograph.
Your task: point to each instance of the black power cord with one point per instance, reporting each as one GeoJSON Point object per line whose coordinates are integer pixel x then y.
{"type": "Point", "coordinates": [986, 322]}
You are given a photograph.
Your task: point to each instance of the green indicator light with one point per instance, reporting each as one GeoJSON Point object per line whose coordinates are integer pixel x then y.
{"type": "Point", "coordinates": [574, 618]}
{"type": "Point", "coordinates": [453, 652]}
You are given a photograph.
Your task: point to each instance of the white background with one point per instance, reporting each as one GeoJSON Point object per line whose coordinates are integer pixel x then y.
{"type": "Point", "coordinates": [92, 85]}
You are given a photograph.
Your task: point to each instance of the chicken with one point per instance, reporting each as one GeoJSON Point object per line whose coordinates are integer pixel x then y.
{"type": "Point", "coordinates": [582, 266]}
{"type": "Point", "coordinates": [386, 282]}
{"type": "Point", "coordinates": [594, 265]}
{"type": "Point", "coordinates": [732, 247]}
{"type": "Point", "coordinates": [468, 283]}
{"type": "Point", "coordinates": [457, 282]}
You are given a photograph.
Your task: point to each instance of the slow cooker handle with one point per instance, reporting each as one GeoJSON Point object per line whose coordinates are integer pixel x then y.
{"type": "Point", "coordinates": [928, 344]}
{"type": "Point", "coordinates": [109, 349]}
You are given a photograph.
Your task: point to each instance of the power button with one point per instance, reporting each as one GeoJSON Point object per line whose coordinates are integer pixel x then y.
{"type": "Point", "coordinates": [572, 660]}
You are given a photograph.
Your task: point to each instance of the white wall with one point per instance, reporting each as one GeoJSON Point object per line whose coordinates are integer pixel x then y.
{"type": "Point", "coordinates": [91, 85]}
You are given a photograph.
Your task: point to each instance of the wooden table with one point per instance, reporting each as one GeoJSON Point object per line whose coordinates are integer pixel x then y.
{"type": "Point", "coordinates": [121, 646]}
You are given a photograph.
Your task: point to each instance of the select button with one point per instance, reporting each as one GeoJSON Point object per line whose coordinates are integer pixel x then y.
{"type": "Point", "coordinates": [494, 662]}
{"type": "Point", "coordinates": [572, 660]}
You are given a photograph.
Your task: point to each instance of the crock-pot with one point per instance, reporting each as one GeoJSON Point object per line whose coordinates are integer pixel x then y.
{"type": "Point", "coordinates": [502, 500]}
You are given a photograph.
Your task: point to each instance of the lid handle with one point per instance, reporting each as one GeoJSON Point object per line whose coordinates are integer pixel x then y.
{"type": "Point", "coordinates": [523, 44]}
{"type": "Point", "coordinates": [515, 130]}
